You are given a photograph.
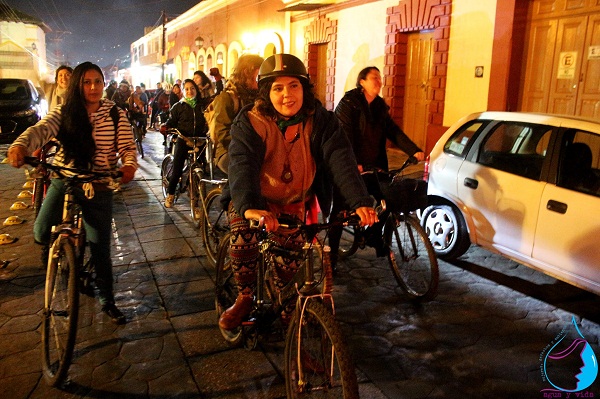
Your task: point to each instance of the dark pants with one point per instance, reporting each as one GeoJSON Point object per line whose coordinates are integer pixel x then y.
{"type": "Point", "coordinates": [181, 153]}
{"type": "Point", "coordinates": [97, 217]}
{"type": "Point", "coordinates": [372, 233]}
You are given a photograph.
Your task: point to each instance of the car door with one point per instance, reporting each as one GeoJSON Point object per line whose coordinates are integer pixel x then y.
{"type": "Point", "coordinates": [566, 239]}
{"type": "Point", "coordinates": [501, 186]}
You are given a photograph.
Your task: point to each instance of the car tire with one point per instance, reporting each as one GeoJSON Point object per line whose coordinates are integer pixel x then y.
{"type": "Point", "coordinates": [447, 230]}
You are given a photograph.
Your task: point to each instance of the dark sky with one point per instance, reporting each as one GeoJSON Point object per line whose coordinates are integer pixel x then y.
{"type": "Point", "coordinates": [101, 31]}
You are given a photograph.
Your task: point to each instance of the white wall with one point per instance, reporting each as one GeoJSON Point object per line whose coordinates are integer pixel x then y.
{"type": "Point", "coordinates": [361, 43]}
{"type": "Point", "coordinates": [471, 42]}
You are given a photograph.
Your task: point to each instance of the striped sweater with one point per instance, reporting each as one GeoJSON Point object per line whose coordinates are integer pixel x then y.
{"type": "Point", "coordinates": [108, 150]}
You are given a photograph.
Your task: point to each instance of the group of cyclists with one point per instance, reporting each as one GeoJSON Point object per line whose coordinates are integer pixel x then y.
{"type": "Point", "coordinates": [284, 153]}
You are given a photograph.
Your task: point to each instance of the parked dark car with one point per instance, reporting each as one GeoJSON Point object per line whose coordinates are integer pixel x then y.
{"type": "Point", "coordinates": [21, 106]}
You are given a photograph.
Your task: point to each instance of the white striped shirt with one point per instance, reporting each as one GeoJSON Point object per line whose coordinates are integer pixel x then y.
{"type": "Point", "coordinates": [108, 150]}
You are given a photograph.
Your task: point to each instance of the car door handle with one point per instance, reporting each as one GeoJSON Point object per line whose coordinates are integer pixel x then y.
{"type": "Point", "coordinates": [556, 206]}
{"type": "Point", "coordinates": [471, 183]}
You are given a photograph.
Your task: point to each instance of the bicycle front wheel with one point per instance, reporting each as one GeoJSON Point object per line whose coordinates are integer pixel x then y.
{"type": "Point", "coordinates": [226, 290]}
{"type": "Point", "coordinates": [59, 326]}
{"type": "Point", "coordinates": [411, 257]}
{"type": "Point", "coordinates": [317, 359]}
{"type": "Point", "coordinates": [213, 224]}
{"type": "Point", "coordinates": [166, 171]}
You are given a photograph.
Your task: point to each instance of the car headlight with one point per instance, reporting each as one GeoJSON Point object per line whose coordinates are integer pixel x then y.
{"type": "Point", "coordinates": [25, 113]}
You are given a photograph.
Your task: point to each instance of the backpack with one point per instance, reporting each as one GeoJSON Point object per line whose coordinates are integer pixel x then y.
{"type": "Point", "coordinates": [209, 114]}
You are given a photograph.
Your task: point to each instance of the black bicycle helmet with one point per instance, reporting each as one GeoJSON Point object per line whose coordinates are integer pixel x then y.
{"type": "Point", "coordinates": [282, 65]}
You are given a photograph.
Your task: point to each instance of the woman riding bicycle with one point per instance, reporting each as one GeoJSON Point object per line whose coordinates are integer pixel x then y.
{"type": "Point", "coordinates": [284, 150]}
{"type": "Point", "coordinates": [364, 117]}
{"type": "Point", "coordinates": [188, 118]}
{"type": "Point", "coordinates": [86, 131]}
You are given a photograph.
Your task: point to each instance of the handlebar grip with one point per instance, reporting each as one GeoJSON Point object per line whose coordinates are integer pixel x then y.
{"type": "Point", "coordinates": [33, 161]}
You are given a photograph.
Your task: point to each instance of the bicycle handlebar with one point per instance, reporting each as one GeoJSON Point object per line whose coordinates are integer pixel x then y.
{"type": "Point", "coordinates": [187, 140]}
{"type": "Point", "coordinates": [289, 222]}
{"type": "Point", "coordinates": [81, 175]}
{"type": "Point", "coordinates": [373, 169]}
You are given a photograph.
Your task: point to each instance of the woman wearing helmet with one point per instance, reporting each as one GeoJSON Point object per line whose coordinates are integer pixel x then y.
{"type": "Point", "coordinates": [286, 152]}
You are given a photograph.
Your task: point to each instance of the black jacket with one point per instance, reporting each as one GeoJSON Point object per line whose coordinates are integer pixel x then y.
{"type": "Point", "coordinates": [190, 121]}
{"type": "Point", "coordinates": [329, 147]}
{"type": "Point", "coordinates": [354, 114]}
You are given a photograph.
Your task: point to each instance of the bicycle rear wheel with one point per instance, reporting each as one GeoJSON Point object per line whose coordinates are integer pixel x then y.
{"type": "Point", "coordinates": [166, 171]}
{"type": "Point", "coordinates": [317, 359]}
{"type": "Point", "coordinates": [411, 257]}
{"type": "Point", "coordinates": [226, 290]}
{"type": "Point", "coordinates": [59, 325]}
{"type": "Point", "coordinates": [213, 224]}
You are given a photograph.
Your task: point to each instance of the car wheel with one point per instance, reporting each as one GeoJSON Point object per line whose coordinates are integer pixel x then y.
{"type": "Point", "coordinates": [447, 231]}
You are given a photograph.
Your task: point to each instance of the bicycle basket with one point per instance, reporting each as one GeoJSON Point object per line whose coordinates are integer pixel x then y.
{"type": "Point", "coordinates": [406, 193]}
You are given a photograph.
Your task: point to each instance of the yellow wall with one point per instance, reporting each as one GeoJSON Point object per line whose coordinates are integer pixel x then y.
{"type": "Point", "coordinates": [471, 42]}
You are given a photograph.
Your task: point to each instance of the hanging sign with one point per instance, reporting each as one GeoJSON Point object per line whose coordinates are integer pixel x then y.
{"type": "Point", "coordinates": [594, 53]}
{"type": "Point", "coordinates": [567, 61]}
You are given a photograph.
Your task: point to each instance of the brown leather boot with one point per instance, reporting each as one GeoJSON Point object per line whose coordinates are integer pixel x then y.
{"type": "Point", "coordinates": [232, 317]}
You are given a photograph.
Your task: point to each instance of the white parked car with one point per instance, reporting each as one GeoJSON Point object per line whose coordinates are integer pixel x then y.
{"type": "Point", "coordinates": [524, 185]}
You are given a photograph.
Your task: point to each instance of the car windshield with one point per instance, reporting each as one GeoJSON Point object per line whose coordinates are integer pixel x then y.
{"type": "Point", "coordinates": [13, 91]}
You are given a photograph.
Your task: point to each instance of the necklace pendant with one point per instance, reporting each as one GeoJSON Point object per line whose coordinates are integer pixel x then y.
{"type": "Point", "coordinates": [286, 175]}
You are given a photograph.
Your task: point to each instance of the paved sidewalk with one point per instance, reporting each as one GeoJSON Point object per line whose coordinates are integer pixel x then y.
{"type": "Point", "coordinates": [480, 338]}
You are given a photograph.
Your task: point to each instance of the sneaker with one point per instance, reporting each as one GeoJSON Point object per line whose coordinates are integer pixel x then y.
{"type": "Point", "coordinates": [169, 201]}
{"type": "Point", "coordinates": [111, 310]}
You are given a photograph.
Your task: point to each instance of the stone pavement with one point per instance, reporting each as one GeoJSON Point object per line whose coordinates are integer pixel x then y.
{"type": "Point", "coordinates": [481, 337]}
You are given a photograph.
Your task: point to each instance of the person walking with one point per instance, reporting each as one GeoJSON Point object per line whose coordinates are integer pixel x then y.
{"type": "Point", "coordinates": [286, 152]}
{"type": "Point", "coordinates": [86, 131]}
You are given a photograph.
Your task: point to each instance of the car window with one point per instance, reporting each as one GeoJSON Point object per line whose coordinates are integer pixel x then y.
{"type": "Point", "coordinates": [13, 91]}
{"type": "Point", "coordinates": [458, 143]}
{"type": "Point", "coordinates": [516, 147]}
{"type": "Point", "coordinates": [580, 162]}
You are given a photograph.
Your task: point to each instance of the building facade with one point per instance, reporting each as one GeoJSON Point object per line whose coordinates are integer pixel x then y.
{"type": "Point", "coordinates": [441, 59]}
{"type": "Point", "coordinates": [22, 46]}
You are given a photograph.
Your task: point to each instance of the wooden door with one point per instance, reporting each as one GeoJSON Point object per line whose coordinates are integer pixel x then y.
{"type": "Point", "coordinates": [418, 75]}
{"type": "Point", "coordinates": [588, 94]}
{"type": "Point", "coordinates": [567, 65]}
{"type": "Point", "coordinates": [320, 80]}
{"type": "Point", "coordinates": [562, 67]}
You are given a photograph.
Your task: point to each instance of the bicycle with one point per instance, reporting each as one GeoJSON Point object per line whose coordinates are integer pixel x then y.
{"type": "Point", "coordinates": [317, 358]}
{"type": "Point", "coordinates": [138, 133]}
{"type": "Point", "coordinates": [41, 175]}
{"type": "Point", "coordinates": [70, 271]}
{"type": "Point", "coordinates": [193, 171]}
{"type": "Point", "coordinates": [410, 254]}
{"type": "Point", "coordinates": [205, 206]}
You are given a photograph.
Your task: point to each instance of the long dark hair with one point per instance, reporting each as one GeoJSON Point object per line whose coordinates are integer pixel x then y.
{"type": "Point", "coordinates": [75, 133]}
{"type": "Point", "coordinates": [265, 106]}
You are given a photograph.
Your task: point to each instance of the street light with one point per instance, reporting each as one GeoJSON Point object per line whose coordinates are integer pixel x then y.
{"type": "Point", "coordinates": [199, 41]}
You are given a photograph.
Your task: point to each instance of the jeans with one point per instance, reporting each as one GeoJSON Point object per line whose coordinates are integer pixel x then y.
{"type": "Point", "coordinates": [97, 218]}
{"type": "Point", "coordinates": [181, 153]}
